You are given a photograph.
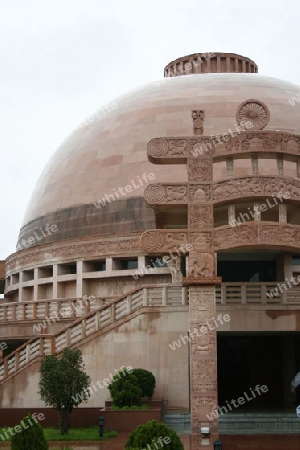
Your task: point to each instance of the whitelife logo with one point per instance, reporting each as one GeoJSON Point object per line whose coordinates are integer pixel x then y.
{"type": "Point", "coordinates": [38, 235]}
{"type": "Point", "coordinates": [101, 384]}
{"type": "Point", "coordinates": [128, 188]}
{"type": "Point", "coordinates": [236, 403]}
{"type": "Point", "coordinates": [19, 428]}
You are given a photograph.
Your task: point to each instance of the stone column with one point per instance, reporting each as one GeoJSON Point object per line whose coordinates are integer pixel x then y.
{"type": "Point", "coordinates": [203, 359]}
{"type": "Point", "coordinates": [201, 279]}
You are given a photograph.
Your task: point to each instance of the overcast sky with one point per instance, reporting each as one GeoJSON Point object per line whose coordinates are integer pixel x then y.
{"type": "Point", "coordinates": [61, 60]}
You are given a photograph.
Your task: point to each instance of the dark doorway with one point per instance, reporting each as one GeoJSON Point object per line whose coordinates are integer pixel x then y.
{"type": "Point", "coordinates": [246, 360]}
{"type": "Point", "coordinates": [246, 271]}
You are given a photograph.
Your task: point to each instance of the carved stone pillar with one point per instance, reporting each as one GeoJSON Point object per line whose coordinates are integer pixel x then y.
{"type": "Point", "coordinates": [254, 161]}
{"type": "Point", "coordinates": [282, 213]}
{"type": "Point", "coordinates": [231, 214]}
{"type": "Point", "coordinates": [229, 166]}
{"type": "Point", "coordinates": [257, 212]}
{"type": "Point", "coordinates": [203, 360]}
{"type": "Point", "coordinates": [201, 281]}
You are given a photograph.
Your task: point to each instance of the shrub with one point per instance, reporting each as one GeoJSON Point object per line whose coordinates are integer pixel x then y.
{"type": "Point", "coordinates": [124, 390]}
{"type": "Point", "coordinates": [131, 408]}
{"type": "Point", "coordinates": [146, 381]}
{"type": "Point", "coordinates": [149, 434]}
{"type": "Point", "coordinates": [31, 436]}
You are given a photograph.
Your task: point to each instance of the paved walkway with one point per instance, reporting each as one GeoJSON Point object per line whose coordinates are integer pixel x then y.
{"type": "Point", "coordinates": [254, 442]}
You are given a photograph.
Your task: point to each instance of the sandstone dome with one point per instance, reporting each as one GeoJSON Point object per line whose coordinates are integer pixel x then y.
{"type": "Point", "coordinates": [110, 150]}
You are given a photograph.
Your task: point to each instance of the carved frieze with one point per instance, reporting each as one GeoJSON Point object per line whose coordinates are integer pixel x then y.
{"type": "Point", "coordinates": [164, 194]}
{"type": "Point", "coordinates": [270, 140]}
{"type": "Point", "coordinates": [169, 147]}
{"type": "Point", "coordinates": [201, 265]}
{"type": "Point", "coordinates": [200, 193]}
{"type": "Point", "coordinates": [202, 408]}
{"type": "Point", "coordinates": [177, 147]}
{"type": "Point", "coordinates": [204, 371]}
{"type": "Point", "coordinates": [240, 235]}
{"type": "Point", "coordinates": [68, 251]}
{"type": "Point", "coordinates": [200, 169]}
{"type": "Point", "coordinates": [201, 216]}
{"type": "Point", "coordinates": [201, 240]}
{"type": "Point", "coordinates": [164, 240]}
{"type": "Point", "coordinates": [256, 233]}
{"type": "Point", "coordinates": [181, 148]}
{"type": "Point", "coordinates": [256, 186]}
{"type": "Point", "coordinates": [202, 305]}
{"type": "Point", "coordinates": [203, 340]}
{"type": "Point", "coordinates": [204, 401]}
{"type": "Point", "coordinates": [283, 235]}
{"type": "Point", "coordinates": [201, 147]}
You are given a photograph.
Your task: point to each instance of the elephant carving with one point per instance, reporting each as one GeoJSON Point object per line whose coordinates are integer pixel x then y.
{"type": "Point", "coordinates": [202, 265]}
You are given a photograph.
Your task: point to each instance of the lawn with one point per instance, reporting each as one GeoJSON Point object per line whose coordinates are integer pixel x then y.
{"type": "Point", "coordinates": [75, 434]}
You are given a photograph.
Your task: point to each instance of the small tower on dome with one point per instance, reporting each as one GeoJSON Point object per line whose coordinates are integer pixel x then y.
{"type": "Point", "coordinates": [201, 63]}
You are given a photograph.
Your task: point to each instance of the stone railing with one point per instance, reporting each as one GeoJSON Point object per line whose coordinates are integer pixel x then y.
{"type": "Point", "coordinates": [62, 308]}
{"type": "Point", "coordinates": [257, 293]}
{"type": "Point", "coordinates": [86, 326]}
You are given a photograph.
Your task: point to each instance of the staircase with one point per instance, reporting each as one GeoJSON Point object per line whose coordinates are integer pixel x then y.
{"type": "Point", "coordinates": [97, 322]}
{"type": "Point", "coordinates": [242, 423]}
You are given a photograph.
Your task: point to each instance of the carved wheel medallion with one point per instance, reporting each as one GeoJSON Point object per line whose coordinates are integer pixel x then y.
{"type": "Point", "coordinates": [154, 193]}
{"type": "Point", "coordinates": [253, 115]}
{"type": "Point", "coordinates": [151, 240]}
{"type": "Point", "coordinates": [157, 147]}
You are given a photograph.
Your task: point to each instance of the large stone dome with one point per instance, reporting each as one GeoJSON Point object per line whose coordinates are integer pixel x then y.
{"type": "Point", "coordinates": [110, 150]}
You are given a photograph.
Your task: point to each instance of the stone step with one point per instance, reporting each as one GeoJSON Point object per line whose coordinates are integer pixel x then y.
{"type": "Point", "coordinates": [181, 422]}
{"type": "Point", "coordinates": [247, 423]}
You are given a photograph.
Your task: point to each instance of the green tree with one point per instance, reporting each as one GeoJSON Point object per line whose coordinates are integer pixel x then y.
{"type": "Point", "coordinates": [124, 389]}
{"type": "Point", "coordinates": [64, 384]}
{"type": "Point", "coordinates": [150, 433]}
{"type": "Point", "coordinates": [146, 381]}
{"type": "Point", "coordinates": [31, 436]}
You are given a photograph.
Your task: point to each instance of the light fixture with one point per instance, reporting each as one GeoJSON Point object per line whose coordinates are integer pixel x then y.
{"type": "Point", "coordinates": [218, 445]}
{"type": "Point", "coordinates": [101, 422]}
{"type": "Point", "coordinates": [205, 431]}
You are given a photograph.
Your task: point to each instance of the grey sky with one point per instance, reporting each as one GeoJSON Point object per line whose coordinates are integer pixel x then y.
{"type": "Point", "coordinates": [62, 60]}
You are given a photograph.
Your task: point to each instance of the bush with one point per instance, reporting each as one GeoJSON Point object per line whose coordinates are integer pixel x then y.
{"type": "Point", "coordinates": [150, 433]}
{"type": "Point", "coordinates": [146, 381]}
{"type": "Point", "coordinates": [124, 390]}
{"type": "Point", "coordinates": [31, 436]}
{"type": "Point", "coordinates": [131, 408]}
